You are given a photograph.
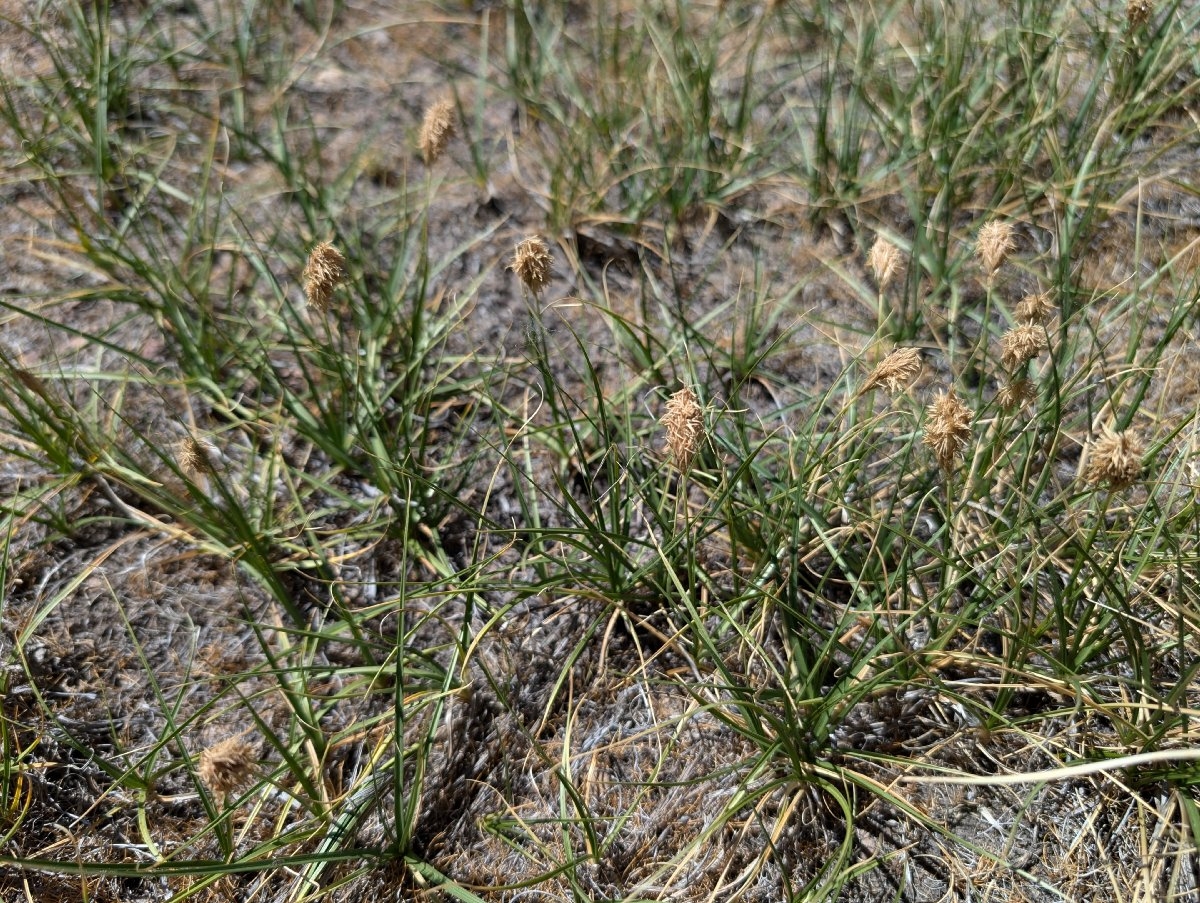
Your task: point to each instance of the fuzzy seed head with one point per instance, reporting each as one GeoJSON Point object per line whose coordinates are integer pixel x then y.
{"type": "Point", "coordinates": [227, 766]}
{"type": "Point", "coordinates": [1137, 13]}
{"type": "Point", "coordinates": [684, 423]}
{"type": "Point", "coordinates": [895, 371]}
{"type": "Point", "coordinates": [436, 130]}
{"type": "Point", "coordinates": [1115, 459]}
{"type": "Point", "coordinates": [1036, 309]}
{"type": "Point", "coordinates": [995, 244]}
{"type": "Point", "coordinates": [194, 455]}
{"type": "Point", "coordinates": [531, 263]}
{"type": "Point", "coordinates": [325, 271]}
{"type": "Point", "coordinates": [884, 261]}
{"type": "Point", "coordinates": [1022, 344]}
{"type": "Point", "coordinates": [1016, 394]}
{"type": "Point", "coordinates": [948, 429]}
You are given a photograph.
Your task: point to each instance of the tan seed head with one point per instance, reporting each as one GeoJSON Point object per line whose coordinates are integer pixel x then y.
{"type": "Point", "coordinates": [1035, 309]}
{"type": "Point", "coordinates": [194, 455]}
{"type": "Point", "coordinates": [228, 765]}
{"type": "Point", "coordinates": [1022, 344]}
{"type": "Point", "coordinates": [325, 271]}
{"type": "Point", "coordinates": [995, 244]}
{"type": "Point", "coordinates": [884, 261]}
{"type": "Point", "coordinates": [948, 429]}
{"type": "Point", "coordinates": [1115, 459]}
{"type": "Point", "coordinates": [1137, 13]}
{"type": "Point", "coordinates": [684, 423]}
{"type": "Point", "coordinates": [436, 130]}
{"type": "Point", "coordinates": [1016, 394]}
{"type": "Point", "coordinates": [895, 371]}
{"type": "Point", "coordinates": [531, 263]}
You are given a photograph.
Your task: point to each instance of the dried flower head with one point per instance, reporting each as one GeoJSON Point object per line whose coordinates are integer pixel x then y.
{"type": "Point", "coordinates": [325, 271]}
{"type": "Point", "coordinates": [995, 244]}
{"type": "Point", "coordinates": [1035, 308]}
{"type": "Point", "coordinates": [1016, 394]}
{"type": "Point", "coordinates": [884, 261]}
{"type": "Point", "coordinates": [895, 371]}
{"type": "Point", "coordinates": [684, 423]}
{"type": "Point", "coordinates": [31, 382]}
{"type": "Point", "coordinates": [1115, 459]}
{"type": "Point", "coordinates": [948, 429]}
{"type": "Point", "coordinates": [1022, 344]}
{"type": "Point", "coordinates": [531, 263]}
{"type": "Point", "coordinates": [1137, 12]}
{"type": "Point", "coordinates": [194, 455]}
{"type": "Point", "coordinates": [228, 765]}
{"type": "Point", "coordinates": [436, 130]}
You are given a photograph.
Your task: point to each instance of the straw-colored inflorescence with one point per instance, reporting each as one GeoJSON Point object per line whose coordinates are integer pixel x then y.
{"type": "Point", "coordinates": [194, 455]}
{"type": "Point", "coordinates": [1036, 309]}
{"type": "Point", "coordinates": [325, 271]}
{"type": "Point", "coordinates": [884, 261]}
{"type": "Point", "coordinates": [436, 130]}
{"type": "Point", "coordinates": [684, 423]}
{"type": "Point", "coordinates": [948, 429]}
{"type": "Point", "coordinates": [895, 371]}
{"type": "Point", "coordinates": [1115, 459]}
{"type": "Point", "coordinates": [1016, 394]}
{"type": "Point", "coordinates": [531, 263]}
{"type": "Point", "coordinates": [994, 245]}
{"type": "Point", "coordinates": [227, 766]}
{"type": "Point", "coordinates": [1137, 12]}
{"type": "Point", "coordinates": [1021, 344]}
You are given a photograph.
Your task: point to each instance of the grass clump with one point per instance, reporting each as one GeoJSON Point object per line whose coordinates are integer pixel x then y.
{"type": "Point", "coordinates": [357, 543]}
